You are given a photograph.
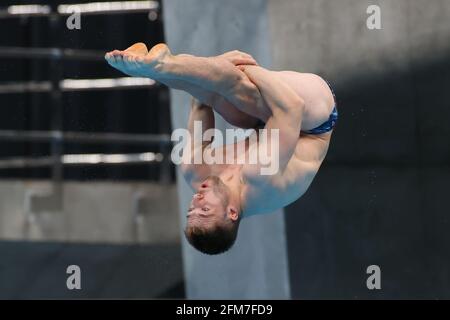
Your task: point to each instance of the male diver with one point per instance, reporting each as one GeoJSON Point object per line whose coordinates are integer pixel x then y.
{"type": "Point", "coordinates": [301, 106]}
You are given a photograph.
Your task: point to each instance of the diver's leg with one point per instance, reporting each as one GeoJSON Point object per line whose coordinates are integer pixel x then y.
{"type": "Point", "coordinates": [127, 62]}
{"type": "Point", "coordinates": [213, 74]}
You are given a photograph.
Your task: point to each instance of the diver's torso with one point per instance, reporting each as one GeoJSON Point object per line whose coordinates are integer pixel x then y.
{"type": "Point", "coordinates": [267, 189]}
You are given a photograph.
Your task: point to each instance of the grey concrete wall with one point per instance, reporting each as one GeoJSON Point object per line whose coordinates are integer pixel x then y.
{"type": "Point", "coordinates": [331, 37]}
{"type": "Point", "coordinates": [256, 267]}
{"type": "Point", "coordinates": [380, 197]}
{"type": "Point", "coordinates": [123, 236]}
{"type": "Point", "coordinates": [91, 212]}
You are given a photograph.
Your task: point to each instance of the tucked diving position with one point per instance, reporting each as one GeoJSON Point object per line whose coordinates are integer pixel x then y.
{"type": "Point", "coordinates": [301, 107]}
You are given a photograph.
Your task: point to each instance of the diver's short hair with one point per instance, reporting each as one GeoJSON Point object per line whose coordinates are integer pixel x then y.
{"type": "Point", "coordinates": [212, 240]}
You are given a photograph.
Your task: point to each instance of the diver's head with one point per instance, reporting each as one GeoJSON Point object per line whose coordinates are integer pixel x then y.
{"type": "Point", "coordinates": [213, 217]}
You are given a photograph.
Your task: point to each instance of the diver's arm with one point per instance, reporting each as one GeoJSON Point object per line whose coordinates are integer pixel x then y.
{"type": "Point", "coordinates": [202, 116]}
{"type": "Point", "coordinates": [286, 107]}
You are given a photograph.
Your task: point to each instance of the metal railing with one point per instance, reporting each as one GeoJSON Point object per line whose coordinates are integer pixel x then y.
{"type": "Point", "coordinates": [71, 85]}
{"type": "Point", "coordinates": [99, 8]}
{"type": "Point", "coordinates": [57, 86]}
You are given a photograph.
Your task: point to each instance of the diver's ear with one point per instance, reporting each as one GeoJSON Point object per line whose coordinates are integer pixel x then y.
{"type": "Point", "coordinates": [233, 213]}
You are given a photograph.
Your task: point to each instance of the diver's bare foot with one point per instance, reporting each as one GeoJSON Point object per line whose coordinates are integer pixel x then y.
{"type": "Point", "coordinates": [136, 61]}
{"type": "Point", "coordinates": [116, 59]}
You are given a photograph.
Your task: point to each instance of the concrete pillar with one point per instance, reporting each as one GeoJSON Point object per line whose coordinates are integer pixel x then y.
{"type": "Point", "coordinates": [256, 267]}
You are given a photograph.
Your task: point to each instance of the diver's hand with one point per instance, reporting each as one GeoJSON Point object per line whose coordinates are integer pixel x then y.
{"type": "Point", "coordinates": [238, 58]}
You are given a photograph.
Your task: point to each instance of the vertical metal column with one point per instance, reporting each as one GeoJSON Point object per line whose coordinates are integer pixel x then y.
{"type": "Point", "coordinates": [53, 201]}
{"type": "Point", "coordinates": [35, 98]}
{"type": "Point", "coordinates": [56, 101]}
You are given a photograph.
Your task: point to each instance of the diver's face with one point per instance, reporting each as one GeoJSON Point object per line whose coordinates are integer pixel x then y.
{"type": "Point", "coordinates": [209, 203]}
